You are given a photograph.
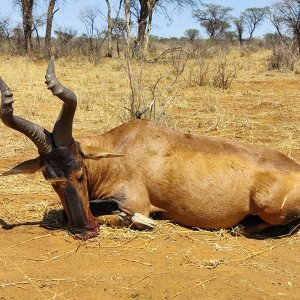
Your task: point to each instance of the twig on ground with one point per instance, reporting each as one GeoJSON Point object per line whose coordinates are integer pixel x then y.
{"type": "Point", "coordinates": [32, 239]}
{"type": "Point", "coordinates": [62, 255]}
{"type": "Point", "coordinates": [136, 261]}
{"type": "Point", "coordinates": [61, 294]}
{"type": "Point", "coordinates": [254, 254]}
{"type": "Point", "coordinates": [192, 287]}
{"type": "Point", "coordinates": [130, 240]}
{"type": "Point", "coordinates": [139, 280]}
{"type": "Point", "coordinates": [27, 277]}
{"type": "Point", "coordinates": [15, 283]}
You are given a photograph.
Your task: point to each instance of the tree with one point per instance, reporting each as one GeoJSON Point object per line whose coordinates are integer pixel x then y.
{"type": "Point", "coordinates": [127, 6]}
{"type": "Point", "coordinates": [109, 29]}
{"type": "Point", "coordinates": [65, 35]}
{"type": "Point", "coordinates": [26, 7]}
{"type": "Point", "coordinates": [111, 23]}
{"type": "Point", "coordinates": [253, 17]}
{"type": "Point", "coordinates": [143, 10]}
{"type": "Point", "coordinates": [280, 28]}
{"type": "Point", "coordinates": [50, 14]}
{"type": "Point", "coordinates": [214, 18]}
{"type": "Point", "coordinates": [6, 29]}
{"type": "Point", "coordinates": [144, 23]}
{"type": "Point", "coordinates": [239, 26]}
{"type": "Point", "coordinates": [287, 12]}
{"type": "Point", "coordinates": [31, 23]}
{"type": "Point", "coordinates": [37, 22]}
{"type": "Point", "coordinates": [88, 17]}
{"type": "Point", "coordinates": [191, 34]}
{"type": "Point", "coordinates": [119, 30]}
{"type": "Point", "coordinates": [18, 38]}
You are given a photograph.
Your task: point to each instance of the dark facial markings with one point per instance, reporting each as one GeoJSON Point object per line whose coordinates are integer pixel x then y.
{"type": "Point", "coordinates": [63, 167]}
{"type": "Point", "coordinates": [61, 163]}
{"type": "Point", "coordinates": [73, 207]}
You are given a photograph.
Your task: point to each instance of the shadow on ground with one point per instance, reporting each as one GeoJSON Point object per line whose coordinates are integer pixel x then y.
{"type": "Point", "coordinates": [56, 219]}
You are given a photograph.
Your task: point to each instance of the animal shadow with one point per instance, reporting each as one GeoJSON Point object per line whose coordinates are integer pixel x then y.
{"type": "Point", "coordinates": [52, 220]}
{"type": "Point", "coordinates": [55, 219]}
{"type": "Point", "coordinates": [274, 232]}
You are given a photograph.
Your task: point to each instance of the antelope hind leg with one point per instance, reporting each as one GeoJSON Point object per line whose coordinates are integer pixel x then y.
{"type": "Point", "coordinates": [249, 229]}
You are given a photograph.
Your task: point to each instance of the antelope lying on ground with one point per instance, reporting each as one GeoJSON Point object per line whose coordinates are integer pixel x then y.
{"type": "Point", "coordinates": [143, 167]}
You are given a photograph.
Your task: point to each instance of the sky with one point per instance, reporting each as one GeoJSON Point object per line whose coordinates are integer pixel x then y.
{"type": "Point", "coordinates": [68, 15]}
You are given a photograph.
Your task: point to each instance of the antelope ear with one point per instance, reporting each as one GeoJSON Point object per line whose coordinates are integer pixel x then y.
{"type": "Point", "coordinates": [93, 152]}
{"type": "Point", "coordinates": [26, 167]}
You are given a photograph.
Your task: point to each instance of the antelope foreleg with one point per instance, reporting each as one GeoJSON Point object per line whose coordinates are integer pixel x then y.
{"type": "Point", "coordinates": [122, 219]}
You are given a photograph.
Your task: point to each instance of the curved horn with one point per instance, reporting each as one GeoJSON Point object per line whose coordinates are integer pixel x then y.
{"type": "Point", "coordinates": [62, 131]}
{"type": "Point", "coordinates": [36, 133]}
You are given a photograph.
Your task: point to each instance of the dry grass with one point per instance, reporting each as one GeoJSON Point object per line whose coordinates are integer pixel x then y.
{"type": "Point", "coordinates": [171, 262]}
{"type": "Point", "coordinates": [249, 110]}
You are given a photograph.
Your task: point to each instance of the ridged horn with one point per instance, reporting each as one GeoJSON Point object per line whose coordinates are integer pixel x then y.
{"type": "Point", "coordinates": [62, 131]}
{"type": "Point", "coordinates": [37, 134]}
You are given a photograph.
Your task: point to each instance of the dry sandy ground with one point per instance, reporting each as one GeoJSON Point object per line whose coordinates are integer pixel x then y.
{"type": "Point", "coordinates": [39, 260]}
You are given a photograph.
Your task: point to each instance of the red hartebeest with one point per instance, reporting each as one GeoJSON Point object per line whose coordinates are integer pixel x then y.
{"type": "Point", "coordinates": [143, 167]}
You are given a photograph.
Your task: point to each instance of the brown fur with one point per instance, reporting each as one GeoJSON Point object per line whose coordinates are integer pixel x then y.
{"type": "Point", "coordinates": [196, 181]}
{"type": "Point", "coordinates": [144, 167]}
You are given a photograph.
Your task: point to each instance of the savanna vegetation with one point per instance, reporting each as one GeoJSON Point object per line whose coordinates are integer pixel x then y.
{"type": "Point", "coordinates": [230, 83]}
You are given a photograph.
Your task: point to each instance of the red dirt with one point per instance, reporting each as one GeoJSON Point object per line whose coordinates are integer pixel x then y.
{"type": "Point", "coordinates": [171, 262]}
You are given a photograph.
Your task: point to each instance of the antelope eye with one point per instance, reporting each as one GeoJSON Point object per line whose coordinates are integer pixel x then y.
{"type": "Point", "coordinates": [80, 174]}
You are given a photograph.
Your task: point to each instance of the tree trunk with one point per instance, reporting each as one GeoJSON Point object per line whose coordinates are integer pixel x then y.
{"type": "Point", "coordinates": [27, 8]}
{"type": "Point", "coordinates": [240, 38]}
{"type": "Point", "coordinates": [142, 26]}
{"type": "Point", "coordinates": [50, 14]}
{"type": "Point", "coordinates": [148, 31]}
{"type": "Point", "coordinates": [37, 36]}
{"type": "Point", "coordinates": [127, 5]}
{"type": "Point", "coordinates": [109, 30]}
{"type": "Point", "coordinates": [118, 46]}
{"type": "Point", "coordinates": [239, 28]}
{"type": "Point", "coordinates": [297, 35]}
{"type": "Point", "coordinates": [250, 35]}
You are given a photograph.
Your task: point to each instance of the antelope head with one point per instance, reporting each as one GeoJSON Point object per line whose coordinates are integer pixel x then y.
{"type": "Point", "coordinates": [60, 159]}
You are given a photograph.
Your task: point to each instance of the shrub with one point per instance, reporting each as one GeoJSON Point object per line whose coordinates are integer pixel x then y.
{"type": "Point", "coordinates": [283, 58]}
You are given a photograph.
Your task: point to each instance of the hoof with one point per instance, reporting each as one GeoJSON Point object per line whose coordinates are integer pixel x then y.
{"type": "Point", "coordinates": [142, 222]}
{"type": "Point", "coordinates": [238, 230]}
{"type": "Point", "coordinates": [86, 235]}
